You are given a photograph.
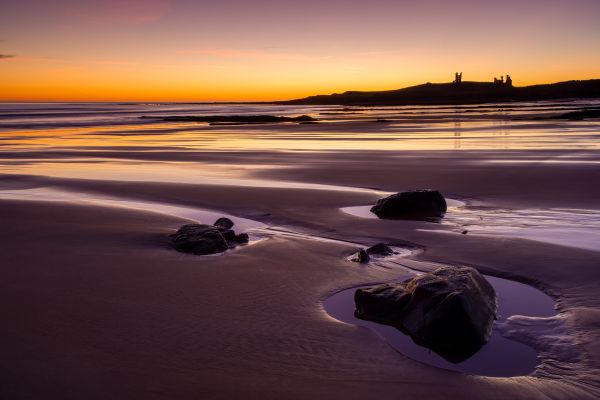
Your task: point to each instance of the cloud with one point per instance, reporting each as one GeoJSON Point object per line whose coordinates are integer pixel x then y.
{"type": "Point", "coordinates": [5, 56]}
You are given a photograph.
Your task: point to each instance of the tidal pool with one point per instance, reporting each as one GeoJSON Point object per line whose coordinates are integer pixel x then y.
{"type": "Point", "coordinates": [499, 357]}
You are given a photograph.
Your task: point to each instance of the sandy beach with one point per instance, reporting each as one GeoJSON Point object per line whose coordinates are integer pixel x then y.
{"type": "Point", "coordinates": [99, 305]}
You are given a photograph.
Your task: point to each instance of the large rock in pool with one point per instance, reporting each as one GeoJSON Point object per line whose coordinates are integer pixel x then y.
{"type": "Point", "coordinates": [418, 204]}
{"type": "Point", "coordinates": [450, 310]}
{"type": "Point", "coordinates": [207, 239]}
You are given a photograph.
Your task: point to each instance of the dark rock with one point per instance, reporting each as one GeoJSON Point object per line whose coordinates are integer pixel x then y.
{"type": "Point", "coordinates": [208, 239]}
{"type": "Point", "coordinates": [224, 223]}
{"type": "Point", "coordinates": [360, 256]}
{"type": "Point", "coordinates": [228, 234]}
{"type": "Point", "coordinates": [199, 239]}
{"type": "Point", "coordinates": [380, 249]}
{"type": "Point", "coordinates": [418, 204]}
{"type": "Point", "coordinates": [450, 310]}
{"type": "Point", "coordinates": [242, 238]}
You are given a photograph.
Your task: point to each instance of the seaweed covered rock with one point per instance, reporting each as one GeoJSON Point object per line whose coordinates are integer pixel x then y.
{"type": "Point", "coordinates": [450, 310]}
{"type": "Point", "coordinates": [417, 204]}
{"type": "Point", "coordinates": [203, 239]}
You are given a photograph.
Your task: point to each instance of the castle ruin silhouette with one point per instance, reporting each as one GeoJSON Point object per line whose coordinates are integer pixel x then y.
{"type": "Point", "coordinates": [501, 81]}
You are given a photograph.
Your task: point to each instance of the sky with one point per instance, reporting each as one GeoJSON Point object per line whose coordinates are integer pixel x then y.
{"type": "Point", "coordinates": [239, 50]}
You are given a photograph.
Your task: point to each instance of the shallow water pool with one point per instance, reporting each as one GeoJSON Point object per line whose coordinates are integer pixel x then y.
{"type": "Point", "coordinates": [499, 357]}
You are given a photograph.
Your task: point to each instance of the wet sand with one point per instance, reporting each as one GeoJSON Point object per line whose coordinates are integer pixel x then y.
{"type": "Point", "coordinates": [99, 306]}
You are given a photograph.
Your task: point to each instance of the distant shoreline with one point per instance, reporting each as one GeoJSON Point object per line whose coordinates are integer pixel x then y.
{"type": "Point", "coordinates": [458, 93]}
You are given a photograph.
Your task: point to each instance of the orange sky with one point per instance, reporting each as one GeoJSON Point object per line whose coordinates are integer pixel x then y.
{"type": "Point", "coordinates": [183, 50]}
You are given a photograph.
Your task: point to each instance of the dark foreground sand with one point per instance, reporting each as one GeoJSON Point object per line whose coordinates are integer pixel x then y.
{"type": "Point", "coordinates": [96, 305]}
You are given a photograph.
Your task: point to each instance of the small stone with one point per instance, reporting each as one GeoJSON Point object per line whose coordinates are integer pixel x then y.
{"type": "Point", "coordinates": [360, 256]}
{"type": "Point", "coordinates": [224, 223]}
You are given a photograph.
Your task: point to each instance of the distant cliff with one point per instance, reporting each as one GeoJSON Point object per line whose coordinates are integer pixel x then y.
{"type": "Point", "coordinates": [460, 93]}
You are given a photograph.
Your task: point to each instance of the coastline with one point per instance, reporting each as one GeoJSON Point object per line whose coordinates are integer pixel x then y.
{"type": "Point", "coordinates": [461, 92]}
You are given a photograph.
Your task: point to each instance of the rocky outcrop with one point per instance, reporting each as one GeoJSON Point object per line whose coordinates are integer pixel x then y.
{"type": "Point", "coordinates": [450, 310]}
{"type": "Point", "coordinates": [203, 239]}
{"type": "Point", "coordinates": [418, 204]}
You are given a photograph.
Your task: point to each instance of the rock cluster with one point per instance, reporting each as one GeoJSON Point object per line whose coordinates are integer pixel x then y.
{"type": "Point", "coordinates": [364, 256]}
{"type": "Point", "coordinates": [208, 239]}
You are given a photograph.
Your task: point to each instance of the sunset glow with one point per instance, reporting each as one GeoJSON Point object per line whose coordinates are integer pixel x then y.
{"type": "Point", "coordinates": [183, 50]}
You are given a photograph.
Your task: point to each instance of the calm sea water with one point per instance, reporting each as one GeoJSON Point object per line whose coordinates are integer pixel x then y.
{"type": "Point", "coordinates": [34, 126]}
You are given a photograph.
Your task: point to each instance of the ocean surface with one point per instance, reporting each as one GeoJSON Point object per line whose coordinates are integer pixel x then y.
{"type": "Point", "coordinates": [113, 126]}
